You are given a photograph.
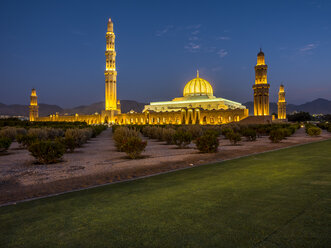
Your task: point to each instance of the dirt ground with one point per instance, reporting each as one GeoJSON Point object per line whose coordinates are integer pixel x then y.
{"type": "Point", "coordinates": [98, 162]}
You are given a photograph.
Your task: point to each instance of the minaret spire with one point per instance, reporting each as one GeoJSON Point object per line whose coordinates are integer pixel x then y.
{"type": "Point", "coordinates": [197, 73]}
{"type": "Point", "coordinates": [261, 87]}
{"type": "Point", "coordinates": [110, 26]}
{"type": "Point", "coordinates": [33, 106]}
{"type": "Point", "coordinates": [281, 103]}
{"type": "Point", "coordinates": [110, 72]}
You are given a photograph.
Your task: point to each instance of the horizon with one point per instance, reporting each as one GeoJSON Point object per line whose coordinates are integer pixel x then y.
{"type": "Point", "coordinates": [222, 43]}
{"type": "Point", "coordinates": [85, 105]}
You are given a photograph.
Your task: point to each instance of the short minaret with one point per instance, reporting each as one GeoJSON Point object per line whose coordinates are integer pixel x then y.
{"type": "Point", "coordinates": [33, 106]}
{"type": "Point", "coordinates": [261, 87]}
{"type": "Point", "coordinates": [281, 103]}
{"type": "Point", "coordinates": [110, 71]}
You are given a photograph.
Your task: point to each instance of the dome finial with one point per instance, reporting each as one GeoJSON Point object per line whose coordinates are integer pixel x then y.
{"type": "Point", "coordinates": [197, 73]}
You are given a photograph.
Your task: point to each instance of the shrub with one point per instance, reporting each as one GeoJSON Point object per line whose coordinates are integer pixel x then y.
{"type": "Point", "coordinates": [87, 132]}
{"type": "Point", "coordinates": [207, 143]}
{"type": "Point", "coordinates": [121, 134]}
{"type": "Point", "coordinates": [195, 130]}
{"type": "Point", "coordinates": [39, 133]}
{"type": "Point", "coordinates": [25, 140]}
{"type": "Point", "coordinates": [287, 131]}
{"type": "Point", "coordinates": [47, 151]}
{"type": "Point", "coordinates": [313, 131]}
{"type": "Point", "coordinates": [293, 129]}
{"type": "Point", "coordinates": [168, 135]}
{"type": "Point", "coordinates": [133, 146]}
{"type": "Point", "coordinates": [249, 133]}
{"type": "Point", "coordinates": [79, 135]}
{"type": "Point", "coordinates": [211, 131]}
{"type": "Point", "coordinates": [4, 143]}
{"type": "Point", "coordinates": [8, 132]}
{"type": "Point", "coordinates": [159, 133]}
{"type": "Point", "coordinates": [98, 129]}
{"type": "Point", "coordinates": [261, 130]}
{"type": "Point", "coordinates": [182, 138]}
{"type": "Point", "coordinates": [53, 133]}
{"type": "Point", "coordinates": [21, 130]}
{"type": "Point", "coordinates": [276, 135]}
{"type": "Point", "coordinates": [307, 126]}
{"type": "Point", "coordinates": [234, 138]}
{"type": "Point", "coordinates": [153, 132]}
{"type": "Point", "coordinates": [146, 131]}
{"type": "Point", "coordinates": [226, 131]}
{"type": "Point", "coordinates": [69, 142]}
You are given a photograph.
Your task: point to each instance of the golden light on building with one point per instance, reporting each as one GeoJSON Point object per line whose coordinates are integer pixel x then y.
{"type": "Point", "coordinates": [110, 71]}
{"type": "Point", "coordinates": [198, 87]}
{"type": "Point", "coordinates": [281, 103]}
{"type": "Point", "coordinates": [261, 87]}
{"type": "Point", "coordinates": [198, 105]}
{"type": "Point", "coordinates": [33, 113]}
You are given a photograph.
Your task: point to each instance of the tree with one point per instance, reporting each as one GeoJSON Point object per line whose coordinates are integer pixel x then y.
{"type": "Point", "coordinates": [300, 117]}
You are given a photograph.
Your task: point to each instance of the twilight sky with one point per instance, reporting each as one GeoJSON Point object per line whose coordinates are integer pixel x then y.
{"type": "Point", "coordinates": [58, 48]}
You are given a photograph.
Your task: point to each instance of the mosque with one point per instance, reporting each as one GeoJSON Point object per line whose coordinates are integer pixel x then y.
{"type": "Point", "coordinates": [198, 105]}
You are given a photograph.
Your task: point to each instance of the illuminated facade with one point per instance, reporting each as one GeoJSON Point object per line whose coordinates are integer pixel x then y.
{"type": "Point", "coordinates": [112, 106]}
{"type": "Point", "coordinates": [261, 87]}
{"type": "Point", "coordinates": [281, 103]}
{"type": "Point", "coordinates": [198, 105]}
{"type": "Point", "coordinates": [33, 108]}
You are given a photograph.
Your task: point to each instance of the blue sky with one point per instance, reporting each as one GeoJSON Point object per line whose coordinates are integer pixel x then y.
{"type": "Point", "coordinates": [58, 48]}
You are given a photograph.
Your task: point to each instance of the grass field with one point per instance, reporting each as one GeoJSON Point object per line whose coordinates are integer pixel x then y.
{"type": "Point", "coordinates": [275, 199]}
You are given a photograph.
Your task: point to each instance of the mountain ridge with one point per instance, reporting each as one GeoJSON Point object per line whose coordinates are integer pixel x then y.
{"type": "Point", "coordinates": [317, 106]}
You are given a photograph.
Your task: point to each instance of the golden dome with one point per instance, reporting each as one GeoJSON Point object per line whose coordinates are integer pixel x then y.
{"type": "Point", "coordinates": [198, 87]}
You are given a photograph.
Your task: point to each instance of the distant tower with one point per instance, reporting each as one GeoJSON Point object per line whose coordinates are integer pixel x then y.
{"type": "Point", "coordinates": [33, 106]}
{"type": "Point", "coordinates": [110, 72]}
{"type": "Point", "coordinates": [261, 87]}
{"type": "Point", "coordinates": [281, 103]}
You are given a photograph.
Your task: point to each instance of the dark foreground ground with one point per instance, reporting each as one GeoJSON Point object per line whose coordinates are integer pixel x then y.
{"type": "Point", "coordinates": [275, 199]}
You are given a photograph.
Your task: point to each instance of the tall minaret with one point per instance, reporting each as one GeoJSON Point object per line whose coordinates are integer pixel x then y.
{"type": "Point", "coordinates": [281, 103]}
{"type": "Point", "coordinates": [110, 72]}
{"type": "Point", "coordinates": [33, 106]}
{"type": "Point", "coordinates": [261, 87]}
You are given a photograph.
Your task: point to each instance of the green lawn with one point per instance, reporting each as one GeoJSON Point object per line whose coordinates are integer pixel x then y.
{"type": "Point", "coordinates": [275, 199]}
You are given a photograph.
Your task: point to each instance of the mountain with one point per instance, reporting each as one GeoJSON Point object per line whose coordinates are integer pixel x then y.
{"type": "Point", "coordinates": [85, 109]}
{"type": "Point", "coordinates": [126, 106]}
{"type": "Point", "coordinates": [318, 106]}
{"type": "Point", "coordinates": [47, 109]}
{"type": "Point", "coordinates": [23, 110]}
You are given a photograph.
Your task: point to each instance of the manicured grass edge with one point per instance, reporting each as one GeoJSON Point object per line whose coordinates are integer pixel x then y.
{"type": "Point", "coordinates": [155, 174]}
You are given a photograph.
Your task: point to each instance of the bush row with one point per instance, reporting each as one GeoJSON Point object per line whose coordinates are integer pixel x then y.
{"type": "Point", "coordinates": [325, 126]}
{"type": "Point", "coordinates": [276, 132]}
{"type": "Point", "coordinates": [205, 138]}
{"type": "Point", "coordinates": [15, 122]}
{"type": "Point", "coordinates": [35, 138]}
{"type": "Point", "coordinates": [312, 130]}
{"type": "Point", "coordinates": [129, 141]}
